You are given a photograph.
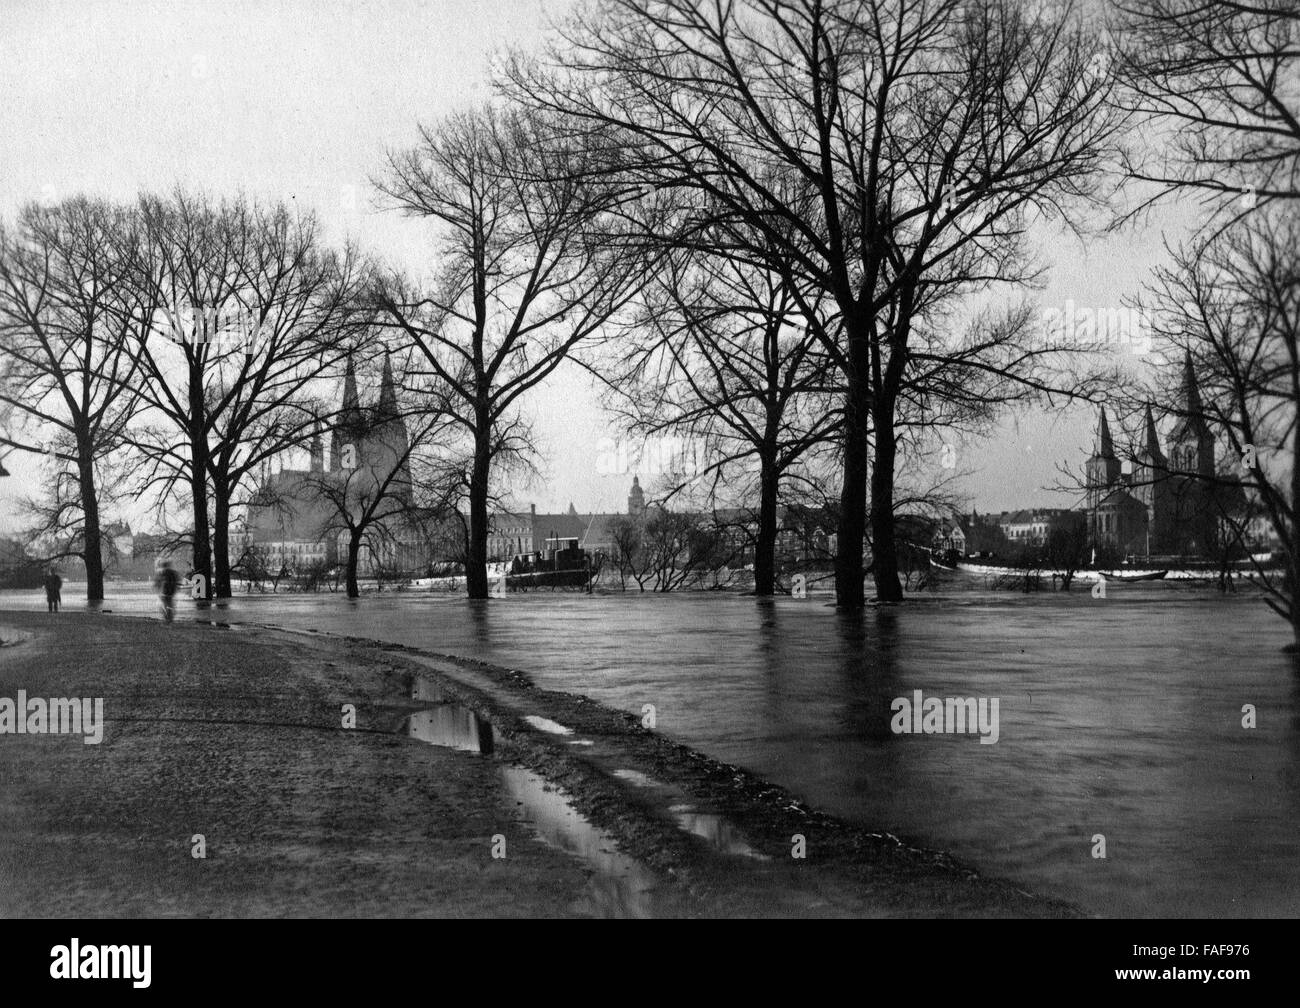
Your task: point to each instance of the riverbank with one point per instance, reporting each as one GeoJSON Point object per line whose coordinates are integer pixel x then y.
{"type": "Point", "coordinates": [237, 735]}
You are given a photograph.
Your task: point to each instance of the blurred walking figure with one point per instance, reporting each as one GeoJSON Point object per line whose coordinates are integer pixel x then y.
{"type": "Point", "coordinates": [53, 590]}
{"type": "Point", "coordinates": [165, 582]}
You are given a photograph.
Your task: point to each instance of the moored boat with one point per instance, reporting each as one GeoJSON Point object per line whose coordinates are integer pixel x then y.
{"type": "Point", "coordinates": [1148, 576]}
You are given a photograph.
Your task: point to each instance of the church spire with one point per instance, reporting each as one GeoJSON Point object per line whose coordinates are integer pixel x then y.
{"type": "Point", "coordinates": [349, 426]}
{"type": "Point", "coordinates": [387, 408]}
{"type": "Point", "coordinates": [1191, 393]}
{"type": "Point", "coordinates": [1152, 447]}
{"type": "Point", "coordinates": [1105, 447]}
{"type": "Point", "coordinates": [317, 450]}
{"type": "Point", "coordinates": [351, 401]}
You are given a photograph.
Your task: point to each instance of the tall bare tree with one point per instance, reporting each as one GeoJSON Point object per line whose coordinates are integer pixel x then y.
{"type": "Point", "coordinates": [254, 310]}
{"type": "Point", "coordinates": [1216, 85]}
{"type": "Point", "coordinates": [722, 359]}
{"type": "Point", "coordinates": [70, 358]}
{"type": "Point", "coordinates": [1229, 306]}
{"type": "Point", "coordinates": [933, 133]}
{"type": "Point", "coordinates": [528, 265]}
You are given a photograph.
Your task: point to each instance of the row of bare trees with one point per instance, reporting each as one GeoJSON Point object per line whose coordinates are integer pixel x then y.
{"type": "Point", "coordinates": [877, 163]}
{"type": "Point", "coordinates": [794, 230]}
{"type": "Point", "coordinates": [166, 350]}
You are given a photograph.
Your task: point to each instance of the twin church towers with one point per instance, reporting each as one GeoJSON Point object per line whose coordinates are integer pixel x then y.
{"type": "Point", "coordinates": [1162, 506]}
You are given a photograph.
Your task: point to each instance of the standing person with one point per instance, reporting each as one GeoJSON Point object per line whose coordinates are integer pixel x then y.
{"type": "Point", "coordinates": [165, 583]}
{"type": "Point", "coordinates": [53, 590]}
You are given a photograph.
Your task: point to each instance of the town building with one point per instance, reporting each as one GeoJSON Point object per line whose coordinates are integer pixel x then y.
{"type": "Point", "coordinates": [1032, 528]}
{"type": "Point", "coordinates": [297, 518]}
{"type": "Point", "coordinates": [1162, 506]}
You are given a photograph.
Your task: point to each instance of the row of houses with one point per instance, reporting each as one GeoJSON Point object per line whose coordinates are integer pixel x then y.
{"type": "Point", "coordinates": [976, 533]}
{"type": "Point", "coordinates": [802, 533]}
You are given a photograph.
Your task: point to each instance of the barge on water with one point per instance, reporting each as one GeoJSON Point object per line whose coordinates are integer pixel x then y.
{"type": "Point", "coordinates": [561, 565]}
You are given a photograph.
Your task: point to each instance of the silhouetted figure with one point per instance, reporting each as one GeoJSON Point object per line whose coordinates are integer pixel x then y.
{"type": "Point", "coordinates": [165, 582]}
{"type": "Point", "coordinates": [53, 590]}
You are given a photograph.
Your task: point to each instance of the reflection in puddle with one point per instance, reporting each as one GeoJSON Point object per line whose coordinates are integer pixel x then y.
{"type": "Point", "coordinates": [622, 886]}
{"type": "Point", "coordinates": [718, 832]}
{"type": "Point", "coordinates": [547, 725]}
{"type": "Point", "coordinates": [709, 826]}
{"type": "Point", "coordinates": [450, 725]}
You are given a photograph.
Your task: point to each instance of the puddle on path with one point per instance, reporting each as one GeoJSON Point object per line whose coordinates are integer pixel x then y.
{"type": "Point", "coordinates": [712, 827]}
{"type": "Point", "coordinates": [719, 832]}
{"type": "Point", "coordinates": [451, 725]}
{"type": "Point", "coordinates": [620, 886]}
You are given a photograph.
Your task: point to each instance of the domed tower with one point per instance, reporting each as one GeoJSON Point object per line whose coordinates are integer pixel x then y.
{"type": "Point", "coordinates": [636, 498]}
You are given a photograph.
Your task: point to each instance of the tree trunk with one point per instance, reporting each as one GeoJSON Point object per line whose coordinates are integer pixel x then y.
{"type": "Point", "coordinates": [476, 579]}
{"type": "Point", "coordinates": [221, 543]}
{"type": "Point", "coordinates": [354, 556]}
{"type": "Point", "coordinates": [884, 547]}
{"type": "Point", "coordinates": [851, 534]}
{"type": "Point", "coordinates": [93, 550]}
{"type": "Point", "coordinates": [199, 494]}
{"type": "Point", "coordinates": [765, 548]}
{"type": "Point", "coordinates": [1292, 546]}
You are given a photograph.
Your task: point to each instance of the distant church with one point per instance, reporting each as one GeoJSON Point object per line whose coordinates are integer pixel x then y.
{"type": "Point", "coordinates": [1163, 506]}
{"type": "Point", "coordinates": [298, 515]}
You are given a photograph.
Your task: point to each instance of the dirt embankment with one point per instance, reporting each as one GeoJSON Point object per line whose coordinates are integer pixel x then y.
{"type": "Point", "coordinates": [238, 735]}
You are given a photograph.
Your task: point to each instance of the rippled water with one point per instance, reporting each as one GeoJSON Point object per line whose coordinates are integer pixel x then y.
{"type": "Point", "coordinates": [1119, 716]}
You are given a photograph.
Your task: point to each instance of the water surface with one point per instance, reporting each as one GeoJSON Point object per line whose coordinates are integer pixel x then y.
{"type": "Point", "coordinates": [1119, 716]}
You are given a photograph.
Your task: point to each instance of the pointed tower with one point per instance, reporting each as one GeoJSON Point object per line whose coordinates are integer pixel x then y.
{"type": "Point", "coordinates": [1151, 485]}
{"type": "Point", "coordinates": [1191, 445]}
{"type": "Point", "coordinates": [1103, 467]}
{"type": "Point", "coordinates": [1150, 463]}
{"type": "Point", "coordinates": [317, 451]}
{"type": "Point", "coordinates": [387, 441]}
{"type": "Point", "coordinates": [636, 498]}
{"type": "Point", "coordinates": [1191, 521]}
{"type": "Point", "coordinates": [350, 425]}
{"type": "Point", "coordinates": [386, 409]}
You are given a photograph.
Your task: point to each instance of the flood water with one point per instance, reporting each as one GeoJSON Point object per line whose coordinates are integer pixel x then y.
{"type": "Point", "coordinates": [1119, 716]}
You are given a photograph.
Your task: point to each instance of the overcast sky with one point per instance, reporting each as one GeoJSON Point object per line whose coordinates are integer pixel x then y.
{"type": "Point", "coordinates": [296, 101]}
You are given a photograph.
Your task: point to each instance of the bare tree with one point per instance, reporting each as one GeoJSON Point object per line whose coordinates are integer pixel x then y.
{"type": "Point", "coordinates": [1229, 309]}
{"type": "Point", "coordinates": [254, 310]}
{"type": "Point", "coordinates": [70, 359]}
{"type": "Point", "coordinates": [1215, 84]}
{"type": "Point", "coordinates": [528, 266]}
{"type": "Point", "coordinates": [932, 134]}
{"type": "Point", "coordinates": [729, 367]}
{"type": "Point", "coordinates": [664, 551]}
